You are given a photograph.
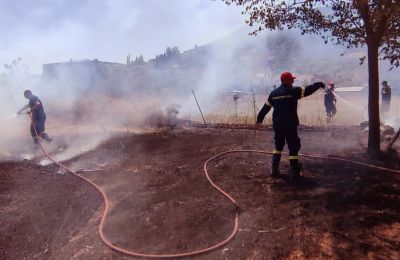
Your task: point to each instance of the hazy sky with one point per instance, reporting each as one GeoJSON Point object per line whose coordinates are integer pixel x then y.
{"type": "Point", "coordinates": [46, 31]}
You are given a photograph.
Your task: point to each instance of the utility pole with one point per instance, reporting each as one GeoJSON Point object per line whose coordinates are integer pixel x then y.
{"type": "Point", "coordinates": [254, 109]}
{"type": "Point", "coordinates": [394, 140]}
{"type": "Point", "coordinates": [199, 108]}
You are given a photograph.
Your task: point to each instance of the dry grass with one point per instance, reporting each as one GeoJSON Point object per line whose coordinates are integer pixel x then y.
{"type": "Point", "coordinates": [350, 111]}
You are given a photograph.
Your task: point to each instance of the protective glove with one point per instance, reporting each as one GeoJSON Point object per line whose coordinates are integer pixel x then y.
{"type": "Point", "coordinates": [320, 84]}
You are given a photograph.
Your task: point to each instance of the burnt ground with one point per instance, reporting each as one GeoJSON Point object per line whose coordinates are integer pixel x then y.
{"type": "Point", "coordinates": [161, 202]}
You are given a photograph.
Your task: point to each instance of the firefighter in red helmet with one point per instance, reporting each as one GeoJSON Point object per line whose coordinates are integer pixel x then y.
{"type": "Point", "coordinates": [330, 102]}
{"type": "Point", "coordinates": [285, 120]}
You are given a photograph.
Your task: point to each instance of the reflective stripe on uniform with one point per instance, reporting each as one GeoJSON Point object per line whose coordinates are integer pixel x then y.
{"type": "Point", "coordinates": [268, 104]}
{"type": "Point", "coordinates": [282, 97]}
{"type": "Point", "coordinates": [277, 152]}
{"type": "Point", "coordinates": [293, 157]}
{"type": "Point", "coordinates": [302, 91]}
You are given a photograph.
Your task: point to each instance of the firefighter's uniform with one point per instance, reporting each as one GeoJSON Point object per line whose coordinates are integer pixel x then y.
{"type": "Point", "coordinates": [329, 102]}
{"type": "Point", "coordinates": [285, 121]}
{"type": "Point", "coordinates": [38, 120]}
{"type": "Point", "coordinates": [38, 117]}
{"type": "Point", "coordinates": [386, 96]}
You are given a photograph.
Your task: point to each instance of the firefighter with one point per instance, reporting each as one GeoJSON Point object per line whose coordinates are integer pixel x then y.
{"type": "Point", "coordinates": [386, 93]}
{"type": "Point", "coordinates": [330, 102]}
{"type": "Point", "coordinates": [285, 121]}
{"type": "Point", "coordinates": [35, 108]}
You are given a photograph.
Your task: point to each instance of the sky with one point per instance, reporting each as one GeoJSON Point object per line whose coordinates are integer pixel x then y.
{"type": "Point", "coordinates": [47, 31]}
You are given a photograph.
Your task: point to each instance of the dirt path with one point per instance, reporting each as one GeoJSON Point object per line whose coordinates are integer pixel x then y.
{"type": "Point", "coordinates": [161, 203]}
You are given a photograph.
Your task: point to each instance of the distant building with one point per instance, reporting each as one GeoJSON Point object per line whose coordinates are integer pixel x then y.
{"type": "Point", "coordinates": [94, 68]}
{"type": "Point", "coordinates": [86, 75]}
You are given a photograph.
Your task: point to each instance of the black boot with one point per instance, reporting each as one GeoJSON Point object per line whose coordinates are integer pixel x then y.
{"type": "Point", "coordinates": [36, 148]}
{"type": "Point", "coordinates": [295, 172]}
{"type": "Point", "coordinates": [46, 137]}
{"type": "Point", "coordinates": [275, 173]}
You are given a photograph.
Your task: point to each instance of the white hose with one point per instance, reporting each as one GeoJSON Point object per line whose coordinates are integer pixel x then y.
{"type": "Point", "coordinates": [364, 109]}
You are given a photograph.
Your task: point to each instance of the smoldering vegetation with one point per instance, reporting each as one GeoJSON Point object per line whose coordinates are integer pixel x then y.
{"type": "Point", "coordinates": [87, 101]}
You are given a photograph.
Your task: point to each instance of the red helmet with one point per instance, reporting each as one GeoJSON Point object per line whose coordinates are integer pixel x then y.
{"type": "Point", "coordinates": [287, 75]}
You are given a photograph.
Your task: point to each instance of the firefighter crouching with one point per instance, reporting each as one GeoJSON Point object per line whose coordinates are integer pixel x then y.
{"type": "Point", "coordinates": [285, 121]}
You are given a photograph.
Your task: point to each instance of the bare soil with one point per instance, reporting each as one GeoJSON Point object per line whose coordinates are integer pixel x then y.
{"type": "Point", "coordinates": [162, 203]}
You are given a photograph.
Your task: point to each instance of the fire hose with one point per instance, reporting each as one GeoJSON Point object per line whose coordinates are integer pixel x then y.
{"type": "Point", "coordinates": [224, 193]}
{"type": "Point", "coordinates": [360, 108]}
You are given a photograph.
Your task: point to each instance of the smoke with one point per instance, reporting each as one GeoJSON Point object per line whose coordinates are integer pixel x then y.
{"type": "Point", "coordinates": [13, 130]}
{"type": "Point", "coordinates": [76, 145]}
{"type": "Point", "coordinates": [244, 63]}
{"type": "Point", "coordinates": [81, 113]}
{"type": "Point", "coordinates": [52, 31]}
{"type": "Point", "coordinates": [88, 102]}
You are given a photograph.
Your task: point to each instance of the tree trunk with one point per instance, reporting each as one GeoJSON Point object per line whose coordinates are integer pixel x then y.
{"type": "Point", "coordinates": [373, 99]}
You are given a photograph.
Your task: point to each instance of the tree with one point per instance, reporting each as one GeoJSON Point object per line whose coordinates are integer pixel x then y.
{"type": "Point", "coordinates": [139, 61]}
{"type": "Point", "coordinates": [16, 67]}
{"type": "Point", "coordinates": [352, 23]}
{"type": "Point", "coordinates": [168, 56]}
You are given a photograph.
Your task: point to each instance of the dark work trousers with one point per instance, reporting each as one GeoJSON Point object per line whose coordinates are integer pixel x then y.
{"type": "Point", "coordinates": [289, 134]}
{"type": "Point", "coordinates": [385, 104]}
{"type": "Point", "coordinates": [39, 125]}
{"type": "Point", "coordinates": [330, 108]}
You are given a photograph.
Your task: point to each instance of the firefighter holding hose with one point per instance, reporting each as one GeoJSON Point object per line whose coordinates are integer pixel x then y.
{"type": "Point", "coordinates": [285, 121]}
{"type": "Point", "coordinates": [330, 102]}
{"type": "Point", "coordinates": [35, 108]}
